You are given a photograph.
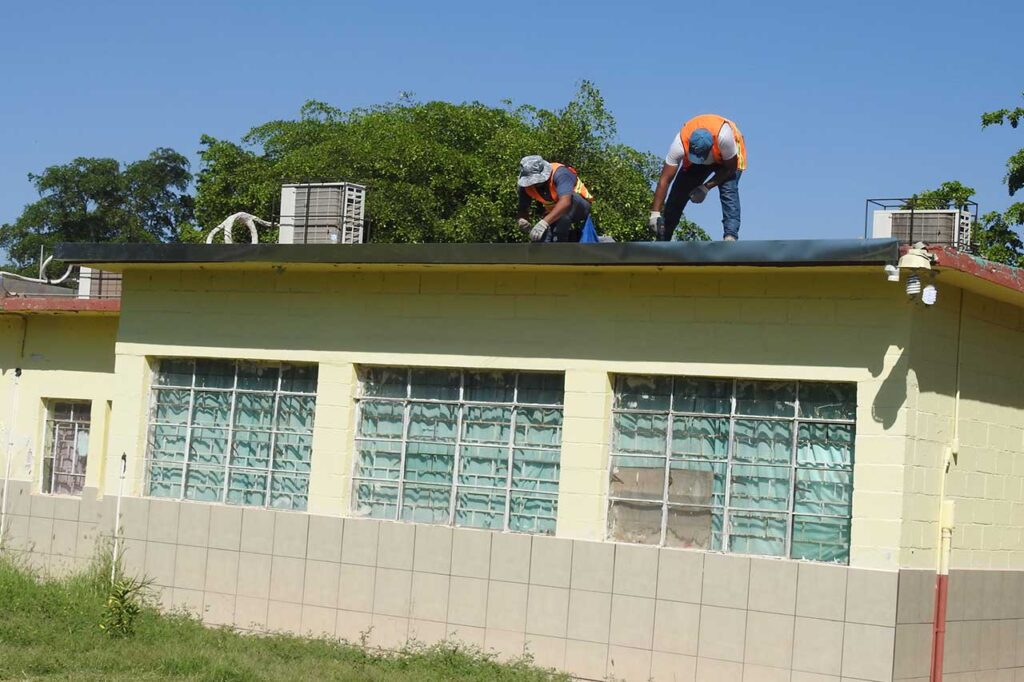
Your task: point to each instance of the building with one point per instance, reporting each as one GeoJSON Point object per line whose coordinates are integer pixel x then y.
{"type": "Point", "coordinates": [719, 461]}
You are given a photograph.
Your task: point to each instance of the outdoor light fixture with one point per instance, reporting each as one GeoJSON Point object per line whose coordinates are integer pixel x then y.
{"type": "Point", "coordinates": [918, 261]}
{"type": "Point", "coordinates": [892, 273]}
{"type": "Point", "coordinates": [929, 294]}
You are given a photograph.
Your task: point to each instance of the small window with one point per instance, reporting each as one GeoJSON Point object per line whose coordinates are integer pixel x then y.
{"type": "Point", "coordinates": [66, 447]}
{"type": "Point", "coordinates": [478, 449]}
{"type": "Point", "coordinates": [232, 431]}
{"type": "Point", "coordinates": [753, 467]}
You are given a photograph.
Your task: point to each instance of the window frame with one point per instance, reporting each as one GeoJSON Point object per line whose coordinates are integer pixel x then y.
{"type": "Point", "coordinates": [461, 403]}
{"type": "Point", "coordinates": [231, 429]}
{"type": "Point", "coordinates": [50, 423]}
{"type": "Point", "coordinates": [726, 509]}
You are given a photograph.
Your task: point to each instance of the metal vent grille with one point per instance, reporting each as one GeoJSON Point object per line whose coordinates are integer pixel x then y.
{"type": "Point", "coordinates": [330, 213]}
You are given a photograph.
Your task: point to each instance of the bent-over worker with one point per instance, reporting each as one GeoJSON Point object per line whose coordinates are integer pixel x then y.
{"type": "Point", "coordinates": [563, 195]}
{"type": "Point", "coordinates": [706, 144]}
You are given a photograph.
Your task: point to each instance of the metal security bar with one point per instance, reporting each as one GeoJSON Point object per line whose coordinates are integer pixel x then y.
{"type": "Point", "coordinates": [746, 466]}
{"type": "Point", "coordinates": [465, 448]}
{"type": "Point", "coordinates": [231, 431]}
{"type": "Point", "coordinates": [66, 447]}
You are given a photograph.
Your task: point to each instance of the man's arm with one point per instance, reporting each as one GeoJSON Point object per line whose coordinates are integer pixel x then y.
{"type": "Point", "coordinates": [668, 172]}
{"type": "Point", "coordinates": [561, 207]}
{"type": "Point", "coordinates": [723, 172]}
{"type": "Point", "coordinates": [524, 205]}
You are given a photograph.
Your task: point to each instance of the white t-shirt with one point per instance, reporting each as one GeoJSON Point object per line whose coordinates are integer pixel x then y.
{"type": "Point", "coordinates": [726, 145]}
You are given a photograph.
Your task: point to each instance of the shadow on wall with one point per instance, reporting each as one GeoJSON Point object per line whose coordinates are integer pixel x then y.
{"type": "Point", "coordinates": [59, 343]}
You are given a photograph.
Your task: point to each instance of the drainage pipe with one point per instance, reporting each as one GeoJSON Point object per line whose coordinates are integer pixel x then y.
{"type": "Point", "coordinates": [117, 519]}
{"type": "Point", "coordinates": [10, 453]}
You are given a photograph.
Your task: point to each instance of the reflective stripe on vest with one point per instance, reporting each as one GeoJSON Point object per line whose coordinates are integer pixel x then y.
{"type": "Point", "coordinates": [712, 123]}
{"type": "Point", "coordinates": [580, 188]}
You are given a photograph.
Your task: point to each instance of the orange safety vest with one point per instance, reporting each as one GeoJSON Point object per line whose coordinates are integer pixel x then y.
{"type": "Point", "coordinates": [580, 188]}
{"type": "Point", "coordinates": [712, 123]}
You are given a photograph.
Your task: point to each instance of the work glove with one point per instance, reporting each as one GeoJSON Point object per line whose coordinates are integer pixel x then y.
{"type": "Point", "coordinates": [537, 233]}
{"type": "Point", "coordinates": [524, 225]}
{"type": "Point", "coordinates": [698, 194]}
{"type": "Point", "coordinates": [656, 224]}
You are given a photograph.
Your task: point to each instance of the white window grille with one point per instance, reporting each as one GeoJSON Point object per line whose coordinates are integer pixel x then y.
{"type": "Point", "coordinates": [66, 447]}
{"type": "Point", "coordinates": [753, 467]}
{"type": "Point", "coordinates": [466, 448]}
{"type": "Point", "coordinates": [232, 431]}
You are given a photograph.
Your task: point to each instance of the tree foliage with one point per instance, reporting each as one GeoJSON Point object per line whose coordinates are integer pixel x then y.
{"type": "Point", "coordinates": [99, 200]}
{"type": "Point", "coordinates": [435, 171]}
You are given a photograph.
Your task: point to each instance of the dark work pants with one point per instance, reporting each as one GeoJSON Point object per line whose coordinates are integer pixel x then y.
{"type": "Point", "coordinates": [685, 182]}
{"type": "Point", "coordinates": [569, 228]}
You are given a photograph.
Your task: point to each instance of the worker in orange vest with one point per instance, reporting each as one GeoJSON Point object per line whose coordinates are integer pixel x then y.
{"type": "Point", "coordinates": [706, 144]}
{"type": "Point", "coordinates": [559, 190]}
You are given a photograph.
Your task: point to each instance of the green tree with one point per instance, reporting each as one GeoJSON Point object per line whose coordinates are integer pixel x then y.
{"type": "Point", "coordinates": [436, 171]}
{"type": "Point", "coordinates": [98, 200]}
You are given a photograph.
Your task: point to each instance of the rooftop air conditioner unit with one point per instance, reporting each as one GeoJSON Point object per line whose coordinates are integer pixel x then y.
{"type": "Point", "coordinates": [931, 226]}
{"type": "Point", "coordinates": [322, 213]}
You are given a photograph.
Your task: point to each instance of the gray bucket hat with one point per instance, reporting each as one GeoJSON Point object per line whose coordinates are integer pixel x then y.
{"type": "Point", "coordinates": [532, 170]}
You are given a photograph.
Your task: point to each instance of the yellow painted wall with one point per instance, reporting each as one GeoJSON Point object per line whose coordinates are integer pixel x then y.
{"type": "Point", "coordinates": [826, 325]}
{"type": "Point", "coordinates": [62, 357]}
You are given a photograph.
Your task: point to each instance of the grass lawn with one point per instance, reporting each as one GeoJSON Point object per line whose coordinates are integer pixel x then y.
{"type": "Point", "coordinates": [49, 630]}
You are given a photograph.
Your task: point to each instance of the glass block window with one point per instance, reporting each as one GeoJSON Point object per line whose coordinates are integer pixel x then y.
{"type": "Point", "coordinates": [753, 467]}
{"type": "Point", "coordinates": [66, 447]}
{"type": "Point", "coordinates": [468, 448]}
{"type": "Point", "coordinates": [231, 431]}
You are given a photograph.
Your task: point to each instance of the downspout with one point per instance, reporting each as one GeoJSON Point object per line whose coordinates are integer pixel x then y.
{"type": "Point", "coordinates": [10, 430]}
{"type": "Point", "coordinates": [947, 521]}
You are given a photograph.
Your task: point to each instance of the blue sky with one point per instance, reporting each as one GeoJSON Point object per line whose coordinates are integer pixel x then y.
{"type": "Point", "coordinates": [838, 101]}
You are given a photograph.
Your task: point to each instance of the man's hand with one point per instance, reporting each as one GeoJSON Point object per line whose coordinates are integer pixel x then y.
{"type": "Point", "coordinates": [656, 224]}
{"type": "Point", "coordinates": [537, 233]}
{"type": "Point", "coordinates": [524, 225]}
{"type": "Point", "coordinates": [698, 194]}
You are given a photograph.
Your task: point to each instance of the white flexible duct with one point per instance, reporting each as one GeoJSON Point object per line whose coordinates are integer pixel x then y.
{"type": "Point", "coordinates": [37, 280]}
{"type": "Point", "coordinates": [247, 219]}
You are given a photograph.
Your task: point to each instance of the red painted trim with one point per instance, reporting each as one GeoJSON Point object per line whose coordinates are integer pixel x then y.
{"type": "Point", "coordinates": [939, 626]}
{"type": "Point", "coordinates": [997, 273]}
{"type": "Point", "coordinates": [59, 304]}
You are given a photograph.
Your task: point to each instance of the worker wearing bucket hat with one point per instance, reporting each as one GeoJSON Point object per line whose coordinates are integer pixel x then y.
{"type": "Point", "coordinates": [706, 144]}
{"type": "Point", "coordinates": [563, 196]}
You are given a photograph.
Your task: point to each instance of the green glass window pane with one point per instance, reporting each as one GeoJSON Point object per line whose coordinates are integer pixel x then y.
{"type": "Point", "coordinates": [384, 382]}
{"type": "Point", "coordinates": [694, 528]}
{"type": "Point", "coordinates": [254, 410]}
{"type": "Point", "coordinates": [638, 478]}
{"type": "Point", "coordinates": [246, 487]}
{"type": "Point", "coordinates": [429, 462]}
{"type": "Point", "coordinates": [765, 398]}
{"type": "Point", "coordinates": [821, 539]}
{"type": "Point", "coordinates": [700, 437]}
{"type": "Point", "coordinates": [697, 482]}
{"type": "Point", "coordinates": [295, 413]}
{"type": "Point", "coordinates": [490, 387]}
{"type": "Point", "coordinates": [293, 452]}
{"type": "Point", "coordinates": [486, 424]}
{"type": "Point", "coordinates": [172, 372]}
{"type": "Point", "coordinates": [164, 480]}
{"type": "Point", "coordinates": [435, 384]}
{"type": "Point", "coordinates": [828, 401]}
{"type": "Point", "coordinates": [208, 446]}
{"type": "Point", "coordinates": [171, 406]}
{"type": "Point", "coordinates": [536, 388]}
{"type": "Point", "coordinates": [251, 449]}
{"type": "Point", "coordinates": [433, 421]}
{"type": "Point", "coordinates": [757, 533]}
{"type": "Point", "coordinates": [210, 408]}
{"type": "Point", "coordinates": [825, 445]}
{"type": "Point", "coordinates": [289, 491]}
{"type": "Point", "coordinates": [376, 500]}
{"type": "Point", "coordinates": [539, 426]}
{"type": "Point", "coordinates": [825, 491]}
{"type": "Point", "coordinates": [759, 441]}
{"type": "Point", "coordinates": [204, 484]}
{"type": "Point", "coordinates": [639, 433]}
{"type": "Point", "coordinates": [256, 376]}
{"type": "Point", "coordinates": [535, 470]}
{"type": "Point", "coordinates": [425, 504]}
{"type": "Point", "coordinates": [167, 443]}
{"type": "Point", "coordinates": [532, 513]}
{"type": "Point", "coordinates": [643, 393]}
{"type": "Point", "coordinates": [760, 487]}
{"type": "Point", "coordinates": [299, 378]}
{"type": "Point", "coordinates": [380, 419]}
{"type": "Point", "coordinates": [379, 459]}
{"type": "Point", "coordinates": [483, 466]}
{"type": "Point", "coordinates": [480, 508]}
{"type": "Point", "coordinates": [634, 522]}
{"type": "Point", "coordinates": [712, 396]}
{"type": "Point", "coordinates": [215, 373]}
